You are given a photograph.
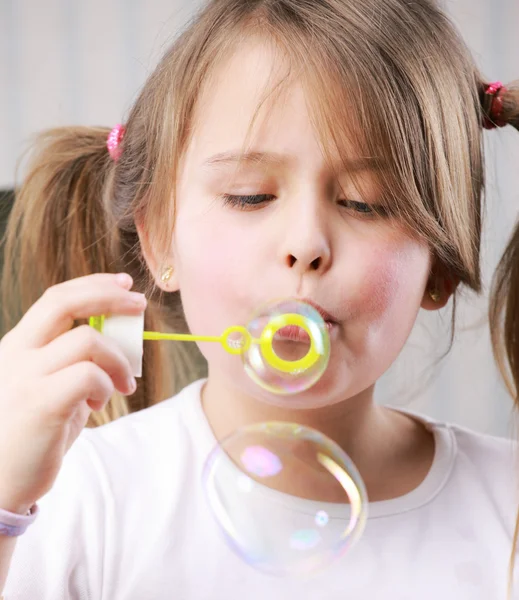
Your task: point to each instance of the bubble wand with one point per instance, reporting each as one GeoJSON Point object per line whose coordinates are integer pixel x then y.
{"type": "Point", "coordinates": [237, 340]}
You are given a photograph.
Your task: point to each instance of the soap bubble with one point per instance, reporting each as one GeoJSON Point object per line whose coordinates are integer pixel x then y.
{"type": "Point", "coordinates": [288, 499]}
{"type": "Point", "coordinates": [286, 347]}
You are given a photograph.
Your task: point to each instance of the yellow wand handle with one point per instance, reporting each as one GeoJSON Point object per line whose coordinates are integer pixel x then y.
{"type": "Point", "coordinates": [241, 343]}
{"type": "Point", "coordinates": [179, 337]}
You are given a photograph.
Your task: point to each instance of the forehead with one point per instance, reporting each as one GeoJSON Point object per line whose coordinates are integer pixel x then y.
{"type": "Point", "coordinates": [253, 98]}
{"type": "Point", "coordinates": [244, 86]}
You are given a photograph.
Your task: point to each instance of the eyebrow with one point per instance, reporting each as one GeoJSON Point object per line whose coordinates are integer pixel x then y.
{"type": "Point", "coordinates": [276, 159]}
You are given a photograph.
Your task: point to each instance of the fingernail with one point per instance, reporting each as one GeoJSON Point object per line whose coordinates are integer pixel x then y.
{"type": "Point", "coordinates": [138, 299]}
{"type": "Point", "coordinates": [124, 280]}
{"type": "Point", "coordinates": [132, 384]}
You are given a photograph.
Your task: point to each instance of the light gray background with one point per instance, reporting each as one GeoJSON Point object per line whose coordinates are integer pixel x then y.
{"type": "Point", "coordinates": [82, 62]}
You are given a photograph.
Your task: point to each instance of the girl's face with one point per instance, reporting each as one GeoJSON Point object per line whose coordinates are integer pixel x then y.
{"type": "Point", "coordinates": [279, 224]}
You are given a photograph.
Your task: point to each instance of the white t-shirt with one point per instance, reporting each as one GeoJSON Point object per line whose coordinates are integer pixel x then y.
{"type": "Point", "coordinates": [128, 519]}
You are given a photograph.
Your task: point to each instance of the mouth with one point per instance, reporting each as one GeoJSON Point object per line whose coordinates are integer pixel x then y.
{"type": "Point", "coordinates": [294, 333]}
{"type": "Point", "coordinates": [297, 334]}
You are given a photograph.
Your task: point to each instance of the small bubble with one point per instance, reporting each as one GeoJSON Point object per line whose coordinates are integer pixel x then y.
{"type": "Point", "coordinates": [290, 349]}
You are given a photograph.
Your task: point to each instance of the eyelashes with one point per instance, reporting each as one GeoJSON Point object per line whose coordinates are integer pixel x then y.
{"type": "Point", "coordinates": [247, 201]}
{"type": "Point", "coordinates": [365, 210]}
{"type": "Point", "coordinates": [256, 200]}
{"type": "Point", "coordinates": [359, 207]}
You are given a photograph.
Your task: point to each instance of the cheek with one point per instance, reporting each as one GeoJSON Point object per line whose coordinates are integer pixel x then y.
{"type": "Point", "coordinates": [390, 280]}
{"type": "Point", "coordinates": [212, 271]}
{"type": "Point", "coordinates": [211, 262]}
{"type": "Point", "coordinates": [203, 251]}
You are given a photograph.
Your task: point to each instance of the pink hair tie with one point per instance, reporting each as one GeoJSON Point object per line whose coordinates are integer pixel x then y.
{"type": "Point", "coordinates": [493, 120]}
{"type": "Point", "coordinates": [115, 137]}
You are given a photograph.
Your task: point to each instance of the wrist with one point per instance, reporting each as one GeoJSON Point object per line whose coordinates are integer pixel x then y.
{"type": "Point", "coordinates": [14, 524]}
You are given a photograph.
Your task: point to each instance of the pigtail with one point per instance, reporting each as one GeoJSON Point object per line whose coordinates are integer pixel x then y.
{"type": "Point", "coordinates": [504, 296]}
{"type": "Point", "coordinates": [499, 104]}
{"type": "Point", "coordinates": [61, 227]}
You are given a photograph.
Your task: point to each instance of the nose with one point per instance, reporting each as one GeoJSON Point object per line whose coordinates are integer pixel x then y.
{"type": "Point", "coordinates": [306, 248]}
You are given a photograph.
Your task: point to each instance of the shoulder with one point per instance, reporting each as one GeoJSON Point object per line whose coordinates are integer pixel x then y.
{"type": "Point", "coordinates": [492, 460]}
{"type": "Point", "coordinates": [128, 442]}
{"type": "Point", "coordinates": [469, 448]}
{"type": "Point", "coordinates": [484, 473]}
{"type": "Point", "coordinates": [484, 450]}
{"type": "Point", "coordinates": [109, 459]}
{"type": "Point", "coordinates": [168, 437]}
{"type": "Point", "coordinates": [157, 424]}
{"type": "Point", "coordinates": [475, 471]}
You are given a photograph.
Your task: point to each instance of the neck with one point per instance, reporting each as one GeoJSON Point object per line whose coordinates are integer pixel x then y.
{"type": "Point", "coordinates": [392, 451]}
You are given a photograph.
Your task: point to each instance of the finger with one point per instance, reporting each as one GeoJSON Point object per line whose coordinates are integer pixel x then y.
{"type": "Point", "coordinates": [58, 308]}
{"type": "Point", "coordinates": [86, 344]}
{"type": "Point", "coordinates": [83, 382]}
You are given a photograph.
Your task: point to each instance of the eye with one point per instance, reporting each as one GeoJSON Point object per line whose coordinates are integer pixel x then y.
{"type": "Point", "coordinates": [362, 208]}
{"type": "Point", "coordinates": [244, 202]}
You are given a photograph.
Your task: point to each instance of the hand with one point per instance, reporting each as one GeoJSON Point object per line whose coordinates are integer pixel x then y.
{"type": "Point", "coordinates": [53, 376]}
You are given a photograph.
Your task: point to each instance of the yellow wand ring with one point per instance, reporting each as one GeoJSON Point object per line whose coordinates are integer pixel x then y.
{"type": "Point", "coordinates": [237, 347]}
{"type": "Point", "coordinates": [267, 337]}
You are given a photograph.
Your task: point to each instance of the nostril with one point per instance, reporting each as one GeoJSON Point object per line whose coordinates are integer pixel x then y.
{"type": "Point", "coordinates": [315, 264]}
{"type": "Point", "coordinates": [312, 266]}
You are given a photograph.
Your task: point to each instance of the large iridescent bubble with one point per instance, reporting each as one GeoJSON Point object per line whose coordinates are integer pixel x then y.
{"type": "Point", "coordinates": [288, 500]}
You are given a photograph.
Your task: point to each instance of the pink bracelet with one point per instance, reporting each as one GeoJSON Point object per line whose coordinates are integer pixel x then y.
{"type": "Point", "coordinates": [13, 525]}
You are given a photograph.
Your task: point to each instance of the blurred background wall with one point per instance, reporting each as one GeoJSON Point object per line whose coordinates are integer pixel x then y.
{"type": "Point", "coordinates": [83, 62]}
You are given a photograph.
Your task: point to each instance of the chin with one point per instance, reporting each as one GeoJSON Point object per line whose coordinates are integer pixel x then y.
{"type": "Point", "coordinates": [322, 394]}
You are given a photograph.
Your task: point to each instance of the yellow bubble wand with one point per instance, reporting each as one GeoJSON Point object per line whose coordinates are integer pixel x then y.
{"type": "Point", "coordinates": [240, 346]}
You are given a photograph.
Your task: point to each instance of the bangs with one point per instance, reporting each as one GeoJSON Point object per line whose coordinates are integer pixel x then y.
{"type": "Point", "coordinates": [366, 113]}
{"type": "Point", "coordinates": [358, 115]}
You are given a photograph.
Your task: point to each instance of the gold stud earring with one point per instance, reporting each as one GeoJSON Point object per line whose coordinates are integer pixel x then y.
{"type": "Point", "coordinates": [434, 295]}
{"type": "Point", "coordinates": [166, 274]}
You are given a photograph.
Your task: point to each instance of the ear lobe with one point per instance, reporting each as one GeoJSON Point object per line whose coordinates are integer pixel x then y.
{"type": "Point", "coordinates": [438, 292]}
{"type": "Point", "coordinates": [163, 273]}
{"type": "Point", "coordinates": [168, 280]}
{"type": "Point", "coordinates": [433, 299]}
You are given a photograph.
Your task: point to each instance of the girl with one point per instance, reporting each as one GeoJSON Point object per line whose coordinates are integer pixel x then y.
{"type": "Point", "coordinates": [328, 150]}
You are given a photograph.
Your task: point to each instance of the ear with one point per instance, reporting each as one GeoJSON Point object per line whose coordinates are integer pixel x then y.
{"type": "Point", "coordinates": [440, 288]}
{"type": "Point", "coordinates": [162, 268]}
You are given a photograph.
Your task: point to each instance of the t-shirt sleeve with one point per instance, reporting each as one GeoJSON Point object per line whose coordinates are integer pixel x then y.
{"type": "Point", "coordinates": [61, 555]}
